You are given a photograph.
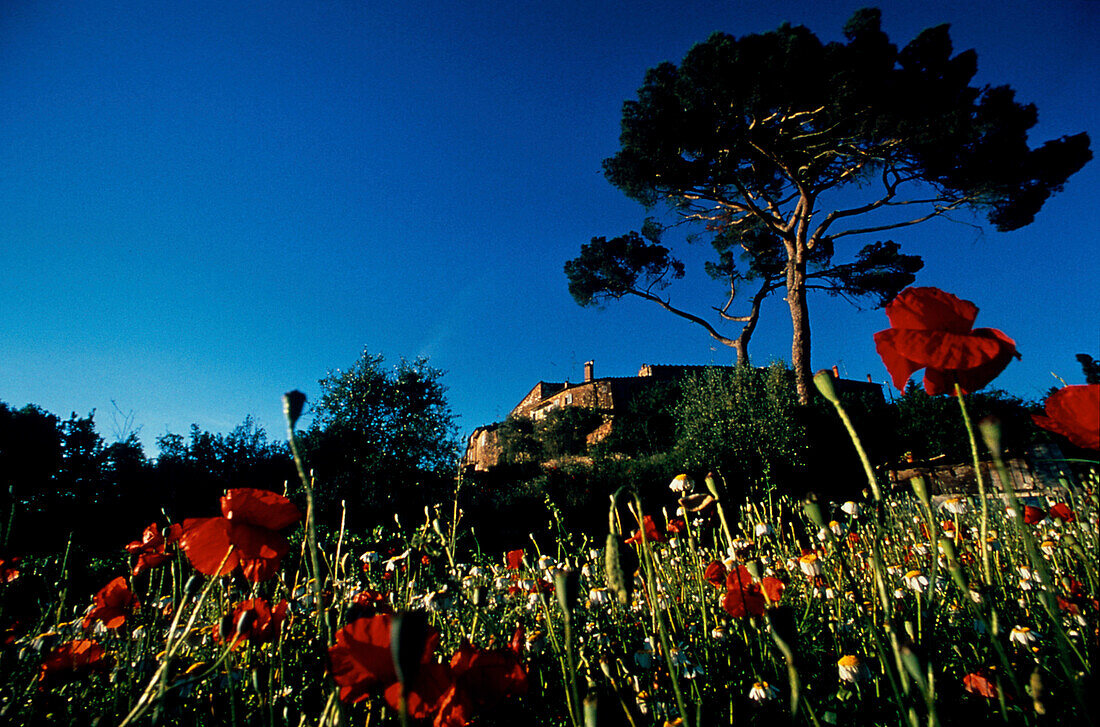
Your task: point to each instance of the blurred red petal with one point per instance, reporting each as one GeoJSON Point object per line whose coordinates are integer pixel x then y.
{"type": "Point", "coordinates": [931, 309]}
{"type": "Point", "coordinates": [260, 507]}
{"type": "Point", "coordinates": [1074, 412]}
{"type": "Point", "coordinates": [900, 367]}
{"type": "Point", "coordinates": [259, 550]}
{"type": "Point", "coordinates": [206, 541]}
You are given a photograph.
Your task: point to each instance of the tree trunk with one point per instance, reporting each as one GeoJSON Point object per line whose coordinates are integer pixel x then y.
{"type": "Point", "coordinates": [741, 346]}
{"type": "Point", "coordinates": [800, 324]}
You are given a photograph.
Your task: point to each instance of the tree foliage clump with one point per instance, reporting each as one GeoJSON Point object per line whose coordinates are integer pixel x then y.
{"type": "Point", "coordinates": [783, 147]}
{"type": "Point", "coordinates": [743, 422]}
{"type": "Point", "coordinates": [381, 437]}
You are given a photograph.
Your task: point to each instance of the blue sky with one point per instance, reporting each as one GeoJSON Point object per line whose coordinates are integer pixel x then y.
{"type": "Point", "coordinates": [205, 204]}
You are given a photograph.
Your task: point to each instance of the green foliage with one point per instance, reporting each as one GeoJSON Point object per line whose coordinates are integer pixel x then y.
{"type": "Point", "coordinates": [563, 432]}
{"type": "Point", "coordinates": [1090, 367]}
{"type": "Point", "coordinates": [380, 436]}
{"type": "Point", "coordinates": [743, 423]}
{"type": "Point", "coordinates": [196, 470]}
{"type": "Point", "coordinates": [646, 425]}
{"type": "Point", "coordinates": [930, 426]}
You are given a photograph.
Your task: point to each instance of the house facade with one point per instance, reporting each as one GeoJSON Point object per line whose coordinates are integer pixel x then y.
{"type": "Point", "coordinates": [606, 395]}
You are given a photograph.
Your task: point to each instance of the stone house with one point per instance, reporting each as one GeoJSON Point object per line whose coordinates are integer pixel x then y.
{"type": "Point", "coordinates": [606, 395]}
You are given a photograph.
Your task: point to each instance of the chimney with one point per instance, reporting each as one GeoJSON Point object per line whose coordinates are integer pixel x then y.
{"type": "Point", "coordinates": [836, 372]}
{"type": "Point", "coordinates": [588, 370]}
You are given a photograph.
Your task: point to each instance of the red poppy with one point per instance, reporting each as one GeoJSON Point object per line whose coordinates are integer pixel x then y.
{"type": "Point", "coordinates": [72, 659]}
{"type": "Point", "coordinates": [743, 596]}
{"type": "Point", "coordinates": [716, 573]}
{"type": "Point", "coordinates": [979, 683]}
{"type": "Point", "coordinates": [652, 534]}
{"type": "Point", "coordinates": [362, 661]}
{"type": "Point", "coordinates": [9, 570]}
{"type": "Point", "coordinates": [252, 519]}
{"type": "Point", "coordinates": [369, 603]}
{"type": "Point", "coordinates": [772, 588]}
{"type": "Point", "coordinates": [149, 550]}
{"type": "Point", "coordinates": [1074, 412]}
{"type": "Point", "coordinates": [1033, 515]}
{"type": "Point", "coordinates": [676, 526]}
{"type": "Point", "coordinates": [1062, 512]}
{"type": "Point", "coordinates": [482, 678]}
{"type": "Point", "coordinates": [514, 558]}
{"type": "Point", "coordinates": [519, 639]}
{"type": "Point", "coordinates": [255, 620]}
{"type": "Point", "coordinates": [931, 330]}
{"type": "Point", "coordinates": [113, 603]}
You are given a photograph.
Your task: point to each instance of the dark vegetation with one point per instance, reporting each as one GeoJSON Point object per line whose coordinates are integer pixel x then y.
{"type": "Point", "coordinates": [382, 441]}
{"type": "Point", "coordinates": [745, 424]}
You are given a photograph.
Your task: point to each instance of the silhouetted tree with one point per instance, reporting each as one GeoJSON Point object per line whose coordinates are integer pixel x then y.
{"type": "Point", "coordinates": [755, 137]}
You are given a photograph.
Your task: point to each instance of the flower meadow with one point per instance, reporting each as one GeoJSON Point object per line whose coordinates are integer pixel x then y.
{"type": "Point", "coordinates": [700, 608]}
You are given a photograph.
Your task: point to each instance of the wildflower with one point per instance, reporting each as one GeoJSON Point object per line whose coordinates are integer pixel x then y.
{"type": "Point", "coordinates": [1033, 515]}
{"type": "Point", "coordinates": [149, 550]}
{"type": "Point", "coordinates": [979, 683]}
{"type": "Point", "coordinates": [761, 530]}
{"type": "Point", "coordinates": [1061, 511]}
{"type": "Point", "coordinates": [479, 678]}
{"type": "Point", "coordinates": [810, 564]}
{"type": "Point", "coordinates": [1023, 636]}
{"type": "Point", "coordinates": [696, 502]}
{"type": "Point", "coordinates": [915, 581]}
{"type": "Point", "coordinates": [762, 692]}
{"type": "Point", "coordinates": [1074, 412]}
{"type": "Point", "coordinates": [72, 659]}
{"type": "Point", "coordinates": [1047, 546]}
{"type": "Point", "coordinates": [250, 524]}
{"type": "Point", "coordinates": [681, 484]}
{"type": "Point", "coordinates": [362, 660]}
{"type": "Point", "coordinates": [850, 508]}
{"type": "Point", "coordinates": [652, 534]}
{"type": "Point", "coordinates": [743, 596]}
{"type": "Point", "coordinates": [955, 505]}
{"type": "Point", "coordinates": [931, 329]}
{"type": "Point", "coordinates": [113, 603]}
{"type": "Point", "coordinates": [9, 570]}
{"type": "Point", "coordinates": [598, 597]}
{"type": "Point", "coordinates": [369, 559]}
{"type": "Point", "coordinates": [253, 620]}
{"type": "Point", "coordinates": [848, 668]}
{"type": "Point", "coordinates": [719, 633]}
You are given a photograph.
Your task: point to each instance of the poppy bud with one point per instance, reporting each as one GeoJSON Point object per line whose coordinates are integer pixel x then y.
{"type": "Point", "coordinates": [823, 380]}
{"type": "Point", "coordinates": [565, 588]}
{"type": "Point", "coordinates": [813, 510]}
{"type": "Point", "coordinates": [712, 486]}
{"type": "Point", "coordinates": [920, 489]}
{"type": "Point", "coordinates": [617, 579]}
{"type": "Point", "coordinates": [991, 433]}
{"type": "Point", "coordinates": [293, 401]}
{"type": "Point", "coordinates": [408, 635]}
{"type": "Point", "coordinates": [225, 627]}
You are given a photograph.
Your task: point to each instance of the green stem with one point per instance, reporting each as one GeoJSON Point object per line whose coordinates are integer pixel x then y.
{"type": "Point", "coordinates": [983, 544]}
